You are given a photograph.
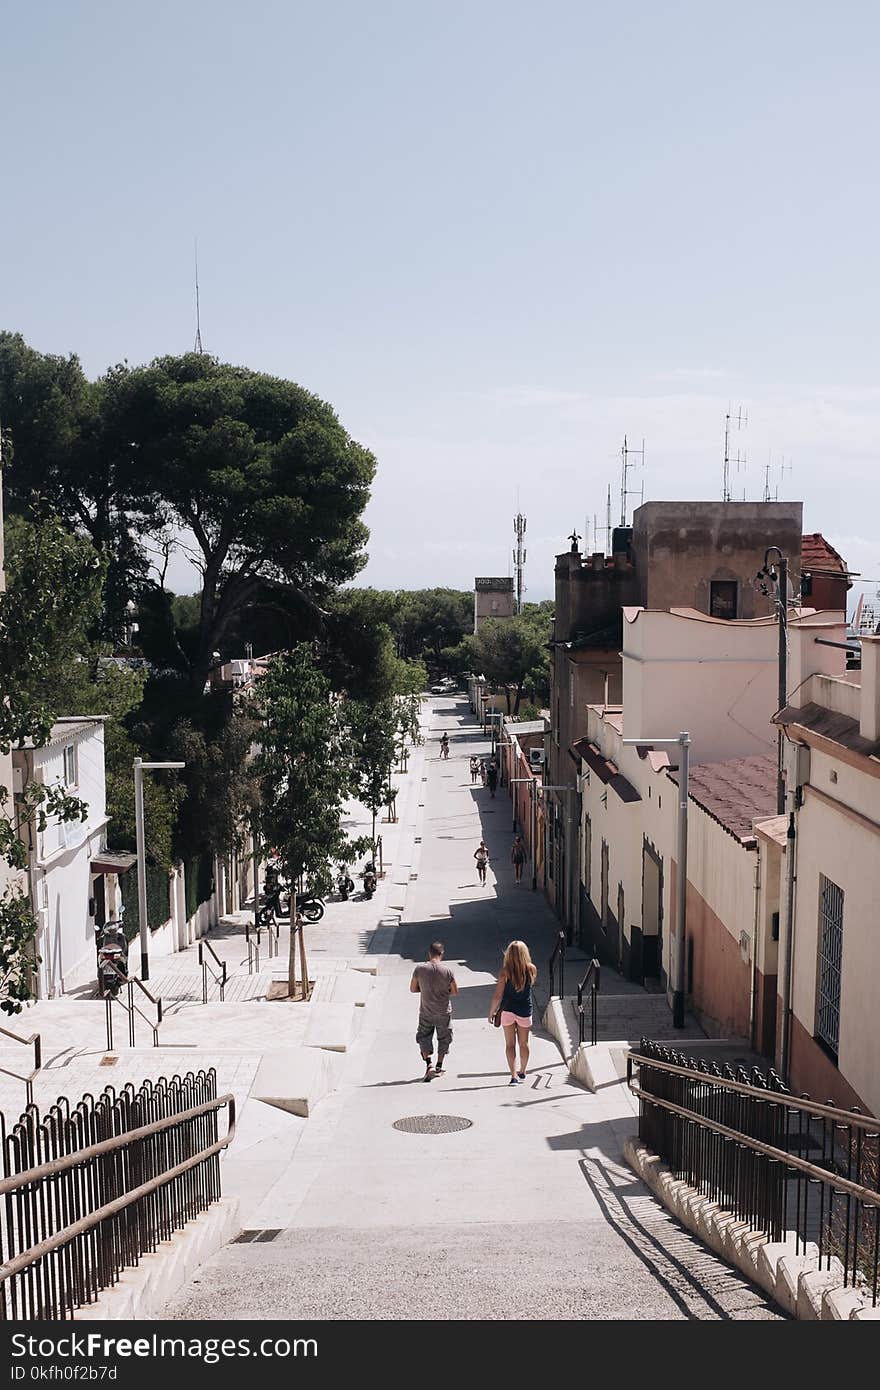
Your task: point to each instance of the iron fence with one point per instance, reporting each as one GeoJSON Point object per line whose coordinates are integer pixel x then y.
{"type": "Point", "coordinates": [88, 1189]}
{"type": "Point", "coordinates": [783, 1164]}
{"type": "Point", "coordinates": [591, 981]}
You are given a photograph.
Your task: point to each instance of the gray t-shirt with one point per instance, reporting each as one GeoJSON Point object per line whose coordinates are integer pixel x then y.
{"type": "Point", "coordinates": [435, 980]}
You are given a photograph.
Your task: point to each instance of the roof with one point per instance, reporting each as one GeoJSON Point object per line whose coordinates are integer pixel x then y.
{"type": "Point", "coordinates": [515, 727]}
{"type": "Point", "coordinates": [773, 828]}
{"type": "Point", "coordinates": [604, 769]}
{"type": "Point", "coordinates": [819, 554]}
{"type": "Point", "coordinates": [63, 730]}
{"type": "Point", "coordinates": [827, 723]}
{"type": "Point", "coordinates": [735, 792]}
{"type": "Point", "coordinates": [112, 862]}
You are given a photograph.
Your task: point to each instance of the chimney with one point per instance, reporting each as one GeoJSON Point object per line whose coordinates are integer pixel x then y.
{"type": "Point", "coordinates": [869, 724]}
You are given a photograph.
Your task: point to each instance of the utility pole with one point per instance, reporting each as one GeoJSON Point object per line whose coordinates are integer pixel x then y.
{"type": "Point", "coordinates": [777, 572]}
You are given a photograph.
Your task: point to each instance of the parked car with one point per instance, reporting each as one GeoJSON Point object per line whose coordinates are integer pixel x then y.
{"type": "Point", "coordinates": [439, 690]}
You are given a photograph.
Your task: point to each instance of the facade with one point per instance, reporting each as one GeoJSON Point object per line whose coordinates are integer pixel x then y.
{"type": "Point", "coordinates": [493, 598]}
{"type": "Point", "coordinates": [830, 929]}
{"type": "Point", "coordinates": [9, 879]}
{"type": "Point", "coordinates": [700, 556]}
{"type": "Point", "coordinates": [825, 581]}
{"type": "Point", "coordinates": [73, 880]}
{"type": "Point", "coordinates": [523, 751]}
{"type": "Point", "coordinates": [717, 679]}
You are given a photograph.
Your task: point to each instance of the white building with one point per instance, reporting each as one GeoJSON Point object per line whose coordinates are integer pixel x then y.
{"type": "Point", "coordinates": [73, 879]}
{"type": "Point", "coordinates": [830, 920]}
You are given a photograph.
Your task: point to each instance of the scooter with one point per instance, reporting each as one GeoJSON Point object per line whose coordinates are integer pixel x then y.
{"type": "Point", "coordinates": [369, 880]}
{"type": "Point", "coordinates": [309, 907]}
{"type": "Point", "coordinates": [344, 885]}
{"type": "Point", "coordinates": [112, 959]}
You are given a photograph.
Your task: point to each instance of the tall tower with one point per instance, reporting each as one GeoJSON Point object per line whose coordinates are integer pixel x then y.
{"type": "Point", "coordinates": [198, 344]}
{"type": "Point", "coordinates": [519, 557]}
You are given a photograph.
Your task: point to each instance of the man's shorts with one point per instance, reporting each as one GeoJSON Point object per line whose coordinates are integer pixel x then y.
{"type": "Point", "coordinates": [425, 1033]}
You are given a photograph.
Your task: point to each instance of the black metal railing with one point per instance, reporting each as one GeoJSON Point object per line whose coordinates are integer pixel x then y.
{"type": "Point", "coordinates": [557, 967]}
{"type": "Point", "coordinates": [207, 970]}
{"type": "Point", "coordinates": [132, 1010]}
{"type": "Point", "coordinates": [784, 1164]}
{"type": "Point", "coordinates": [591, 982]}
{"type": "Point", "coordinates": [90, 1188]}
{"type": "Point", "coordinates": [36, 1042]}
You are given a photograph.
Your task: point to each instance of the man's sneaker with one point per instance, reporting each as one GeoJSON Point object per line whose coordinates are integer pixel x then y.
{"type": "Point", "coordinates": [428, 1073]}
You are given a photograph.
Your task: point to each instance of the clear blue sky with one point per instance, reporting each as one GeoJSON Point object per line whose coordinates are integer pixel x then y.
{"type": "Point", "coordinates": [496, 236]}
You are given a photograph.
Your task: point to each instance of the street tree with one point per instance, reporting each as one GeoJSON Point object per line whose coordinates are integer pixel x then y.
{"type": "Point", "coordinates": [373, 733]}
{"type": "Point", "coordinates": [510, 653]}
{"type": "Point", "coordinates": [304, 771]}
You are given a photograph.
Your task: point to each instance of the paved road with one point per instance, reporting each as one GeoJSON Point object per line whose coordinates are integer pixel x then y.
{"type": "Point", "coordinates": [529, 1212]}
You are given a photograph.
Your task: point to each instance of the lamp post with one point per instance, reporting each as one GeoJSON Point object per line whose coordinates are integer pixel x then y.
{"type": "Point", "coordinates": [684, 743]}
{"type": "Point", "coordinates": [140, 767]}
{"type": "Point", "coordinates": [777, 572]}
{"type": "Point", "coordinates": [494, 729]}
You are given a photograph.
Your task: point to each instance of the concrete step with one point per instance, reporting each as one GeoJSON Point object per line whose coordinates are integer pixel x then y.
{"type": "Point", "coordinates": [332, 1026]}
{"type": "Point", "coordinates": [296, 1079]}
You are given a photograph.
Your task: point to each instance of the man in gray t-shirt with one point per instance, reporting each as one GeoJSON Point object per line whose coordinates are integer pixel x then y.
{"type": "Point", "coordinates": [435, 983]}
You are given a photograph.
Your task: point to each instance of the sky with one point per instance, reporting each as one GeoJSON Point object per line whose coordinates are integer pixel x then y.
{"type": "Point", "coordinates": [497, 237]}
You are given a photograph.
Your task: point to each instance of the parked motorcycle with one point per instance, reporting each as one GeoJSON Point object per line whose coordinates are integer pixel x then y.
{"type": "Point", "coordinates": [370, 880]}
{"type": "Point", "coordinates": [112, 959]}
{"type": "Point", "coordinates": [344, 885]}
{"type": "Point", "coordinates": [309, 907]}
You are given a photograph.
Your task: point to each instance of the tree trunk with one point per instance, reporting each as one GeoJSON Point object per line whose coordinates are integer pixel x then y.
{"type": "Point", "coordinates": [291, 959]}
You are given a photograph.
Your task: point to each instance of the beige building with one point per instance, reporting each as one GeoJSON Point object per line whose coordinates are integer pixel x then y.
{"type": "Point", "coordinates": [717, 680]}
{"type": "Point", "coordinates": [830, 919]}
{"type": "Point", "coordinates": [493, 598]}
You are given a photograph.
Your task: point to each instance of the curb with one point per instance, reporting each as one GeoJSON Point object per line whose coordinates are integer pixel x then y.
{"type": "Point", "coordinates": [793, 1279]}
{"type": "Point", "coordinates": [144, 1290]}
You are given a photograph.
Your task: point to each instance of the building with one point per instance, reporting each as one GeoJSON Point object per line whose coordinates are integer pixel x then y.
{"type": "Point", "coordinates": [493, 598]}
{"type": "Point", "coordinates": [716, 679]}
{"type": "Point", "coordinates": [825, 580]}
{"type": "Point", "coordinates": [700, 556]}
{"type": "Point", "coordinates": [830, 930]}
{"type": "Point", "coordinates": [74, 884]}
{"type": "Point", "coordinates": [522, 763]}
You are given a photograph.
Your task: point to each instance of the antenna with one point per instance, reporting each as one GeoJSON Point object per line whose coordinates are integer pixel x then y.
{"type": "Point", "coordinates": [625, 466]}
{"type": "Point", "coordinates": [740, 422]}
{"type": "Point", "coordinates": [198, 345]}
{"type": "Point", "coordinates": [519, 557]}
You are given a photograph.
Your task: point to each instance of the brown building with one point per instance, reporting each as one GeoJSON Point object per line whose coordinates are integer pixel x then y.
{"type": "Point", "coordinates": [493, 598]}
{"type": "Point", "coordinates": [698, 555]}
{"type": "Point", "coordinates": [825, 581]}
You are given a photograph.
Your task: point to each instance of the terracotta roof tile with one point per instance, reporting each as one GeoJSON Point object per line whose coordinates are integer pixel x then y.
{"type": "Point", "coordinates": [735, 792]}
{"type": "Point", "coordinates": [818, 554]}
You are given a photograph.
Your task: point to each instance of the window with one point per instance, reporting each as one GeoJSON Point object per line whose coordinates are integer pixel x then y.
{"type": "Point", "coordinates": [830, 956]}
{"type": "Point", "coordinates": [70, 765]}
{"type": "Point", "coordinates": [722, 598]}
{"type": "Point", "coordinates": [588, 856]}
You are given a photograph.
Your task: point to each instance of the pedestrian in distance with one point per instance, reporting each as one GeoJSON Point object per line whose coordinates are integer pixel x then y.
{"type": "Point", "coordinates": [483, 771]}
{"type": "Point", "coordinates": [518, 857]}
{"type": "Point", "coordinates": [434, 982]}
{"type": "Point", "coordinates": [481, 854]}
{"type": "Point", "coordinates": [444, 746]}
{"type": "Point", "coordinates": [475, 768]}
{"type": "Point", "coordinates": [513, 997]}
{"type": "Point", "coordinates": [492, 777]}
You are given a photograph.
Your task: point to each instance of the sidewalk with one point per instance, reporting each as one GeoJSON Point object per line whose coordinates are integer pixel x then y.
{"type": "Point", "coordinates": [529, 1211]}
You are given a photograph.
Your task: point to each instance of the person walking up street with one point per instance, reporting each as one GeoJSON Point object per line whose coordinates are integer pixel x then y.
{"type": "Point", "coordinates": [475, 768]}
{"type": "Point", "coordinates": [492, 777]}
{"type": "Point", "coordinates": [518, 857]}
{"type": "Point", "coordinates": [481, 854]}
{"type": "Point", "coordinates": [444, 746]}
{"type": "Point", "coordinates": [483, 771]}
{"type": "Point", "coordinates": [435, 983]}
{"type": "Point", "coordinates": [513, 996]}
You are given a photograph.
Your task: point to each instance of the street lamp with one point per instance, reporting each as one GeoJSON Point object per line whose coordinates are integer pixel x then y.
{"type": "Point", "coordinates": [494, 728]}
{"type": "Point", "coordinates": [140, 767]}
{"type": "Point", "coordinates": [777, 572]}
{"type": "Point", "coordinates": [684, 743]}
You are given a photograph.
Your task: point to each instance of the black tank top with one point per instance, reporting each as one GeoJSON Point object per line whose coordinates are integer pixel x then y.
{"type": "Point", "coordinates": [517, 1001]}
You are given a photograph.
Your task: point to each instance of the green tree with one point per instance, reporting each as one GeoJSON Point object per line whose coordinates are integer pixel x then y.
{"type": "Point", "coordinates": [52, 585]}
{"type": "Point", "coordinates": [510, 654]}
{"type": "Point", "coordinates": [373, 731]}
{"type": "Point", "coordinates": [304, 770]}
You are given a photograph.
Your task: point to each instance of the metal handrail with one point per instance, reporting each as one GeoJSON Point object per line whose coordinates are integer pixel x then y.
{"type": "Point", "coordinates": [733, 1142]}
{"type": "Point", "coordinates": [591, 978]}
{"type": "Point", "coordinates": [28, 1080]}
{"type": "Point", "coordinates": [57, 1290]}
{"type": "Point", "coordinates": [253, 949]}
{"type": "Point", "coordinates": [206, 970]}
{"type": "Point", "coordinates": [131, 1008]}
{"type": "Point", "coordinates": [558, 952]}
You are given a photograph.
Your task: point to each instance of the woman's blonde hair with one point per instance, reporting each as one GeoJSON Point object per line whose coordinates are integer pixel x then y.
{"type": "Point", "coordinates": [518, 966]}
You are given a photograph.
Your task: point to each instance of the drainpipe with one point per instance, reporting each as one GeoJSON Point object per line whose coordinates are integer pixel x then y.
{"type": "Point", "coordinates": [753, 992]}
{"type": "Point", "coordinates": [791, 879]}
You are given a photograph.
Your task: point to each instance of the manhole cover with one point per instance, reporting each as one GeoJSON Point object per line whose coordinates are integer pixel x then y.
{"type": "Point", "coordinates": [432, 1124]}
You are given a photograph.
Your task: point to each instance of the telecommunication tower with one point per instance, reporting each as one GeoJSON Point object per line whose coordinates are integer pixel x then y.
{"type": "Point", "coordinates": [198, 343]}
{"type": "Point", "coordinates": [519, 557]}
{"type": "Point", "coordinates": [625, 466]}
{"type": "Point", "coordinates": [739, 421]}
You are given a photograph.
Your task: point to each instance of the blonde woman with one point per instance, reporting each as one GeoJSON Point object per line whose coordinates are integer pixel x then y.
{"type": "Point", "coordinates": [513, 997]}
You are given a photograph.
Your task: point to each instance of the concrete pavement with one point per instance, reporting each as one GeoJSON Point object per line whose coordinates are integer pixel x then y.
{"type": "Point", "coordinates": [530, 1211]}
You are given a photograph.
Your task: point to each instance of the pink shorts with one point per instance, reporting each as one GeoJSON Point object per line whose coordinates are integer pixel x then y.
{"type": "Point", "coordinates": [508, 1019]}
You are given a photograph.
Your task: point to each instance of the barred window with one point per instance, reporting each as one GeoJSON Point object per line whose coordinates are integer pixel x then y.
{"type": "Point", "coordinates": [830, 956]}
